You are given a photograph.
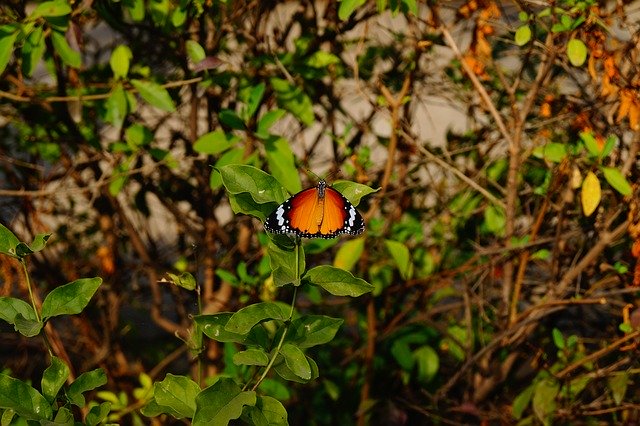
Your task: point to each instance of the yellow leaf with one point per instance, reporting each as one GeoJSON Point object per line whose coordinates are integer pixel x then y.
{"type": "Point", "coordinates": [590, 193]}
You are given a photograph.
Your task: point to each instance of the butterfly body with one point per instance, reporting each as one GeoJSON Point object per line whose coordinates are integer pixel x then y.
{"type": "Point", "coordinates": [318, 212]}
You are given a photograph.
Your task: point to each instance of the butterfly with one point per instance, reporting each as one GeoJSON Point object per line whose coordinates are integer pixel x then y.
{"type": "Point", "coordinates": [318, 212]}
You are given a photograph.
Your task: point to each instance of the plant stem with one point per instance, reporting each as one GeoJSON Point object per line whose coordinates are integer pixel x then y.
{"type": "Point", "coordinates": [287, 322]}
{"type": "Point", "coordinates": [33, 300]}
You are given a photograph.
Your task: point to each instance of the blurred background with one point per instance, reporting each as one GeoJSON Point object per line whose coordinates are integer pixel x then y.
{"type": "Point", "coordinates": [502, 242]}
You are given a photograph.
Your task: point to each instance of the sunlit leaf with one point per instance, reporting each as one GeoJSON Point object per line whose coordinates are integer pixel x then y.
{"type": "Point", "coordinates": [6, 48]}
{"type": "Point", "coordinates": [400, 254]}
{"type": "Point", "coordinates": [312, 330]}
{"type": "Point", "coordinates": [23, 399]}
{"type": "Point", "coordinates": [221, 402]}
{"type": "Point", "coordinates": [544, 399]}
{"type": "Point", "coordinates": [85, 382]}
{"type": "Point", "coordinates": [53, 378]}
{"type": "Point", "coordinates": [618, 384]}
{"type": "Point", "coordinates": [349, 253]}
{"type": "Point", "coordinates": [68, 55]}
{"type": "Point", "coordinates": [154, 94]}
{"type": "Point", "coordinates": [177, 392]}
{"type": "Point", "coordinates": [119, 61]}
{"type": "Point", "coordinates": [576, 51]}
{"type": "Point", "coordinates": [523, 35]}
{"type": "Point", "coordinates": [337, 281]}
{"type": "Point", "coordinates": [590, 193]}
{"type": "Point", "coordinates": [243, 321]}
{"type": "Point", "coordinates": [195, 51]}
{"type": "Point", "coordinates": [616, 179]}
{"type": "Point", "coordinates": [70, 298]}
{"type": "Point", "coordinates": [347, 7]}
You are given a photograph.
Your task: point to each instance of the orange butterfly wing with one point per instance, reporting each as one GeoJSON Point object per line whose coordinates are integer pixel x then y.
{"type": "Point", "coordinates": [319, 212]}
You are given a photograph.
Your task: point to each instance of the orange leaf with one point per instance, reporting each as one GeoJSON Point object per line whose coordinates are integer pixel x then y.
{"type": "Point", "coordinates": [634, 114]}
{"type": "Point", "coordinates": [635, 249]}
{"type": "Point", "coordinates": [610, 68]}
{"type": "Point", "coordinates": [591, 66]}
{"type": "Point", "coordinates": [626, 99]}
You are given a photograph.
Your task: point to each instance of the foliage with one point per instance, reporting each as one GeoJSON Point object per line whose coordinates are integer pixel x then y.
{"type": "Point", "coordinates": [143, 142]}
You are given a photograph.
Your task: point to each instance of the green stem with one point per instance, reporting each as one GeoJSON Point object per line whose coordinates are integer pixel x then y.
{"type": "Point", "coordinates": [287, 322]}
{"type": "Point", "coordinates": [33, 300]}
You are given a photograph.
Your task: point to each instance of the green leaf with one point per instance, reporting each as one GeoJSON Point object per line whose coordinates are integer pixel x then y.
{"type": "Point", "coordinates": [179, 393]}
{"type": "Point", "coordinates": [51, 9]}
{"type": "Point", "coordinates": [184, 280]}
{"type": "Point", "coordinates": [70, 298]}
{"type": "Point", "coordinates": [98, 414]}
{"type": "Point", "coordinates": [215, 142]}
{"type": "Point", "coordinates": [523, 35]}
{"type": "Point", "coordinates": [251, 357]}
{"type": "Point", "coordinates": [85, 382]}
{"type": "Point", "coordinates": [590, 143]}
{"type": "Point", "coordinates": [555, 152]}
{"type": "Point", "coordinates": [233, 156]}
{"type": "Point", "coordinates": [558, 338]}
{"type": "Point", "coordinates": [6, 48]}
{"type": "Point", "coordinates": [262, 187]}
{"type": "Point", "coordinates": [282, 163]}
{"type": "Point", "coordinates": [116, 106]}
{"type": "Point", "coordinates": [26, 326]}
{"type": "Point", "coordinates": [136, 10]}
{"type": "Point", "coordinates": [137, 136]}
{"type": "Point", "coordinates": [312, 330]}
{"type": "Point", "coordinates": [296, 361]}
{"type": "Point", "coordinates": [214, 327]}
{"type": "Point", "coordinates": [195, 52]}
{"type": "Point", "coordinates": [246, 318]}
{"type": "Point", "coordinates": [427, 363]}
{"type": "Point", "coordinates": [521, 402]}
{"type": "Point", "coordinates": [286, 373]}
{"type": "Point", "coordinates": [616, 179]}
{"type": "Point", "coordinates": [294, 100]}
{"type": "Point", "coordinates": [154, 94]}
{"type": "Point", "coordinates": [495, 220]}
{"type": "Point", "coordinates": [53, 378]}
{"type": "Point", "coordinates": [120, 176]}
{"type": "Point", "coordinates": [347, 7]}
{"type": "Point", "coordinates": [577, 52]}
{"type": "Point", "coordinates": [268, 120]}
{"type": "Point", "coordinates": [267, 411]}
{"type": "Point", "coordinates": [618, 384]}
{"type": "Point", "coordinates": [349, 253]}
{"type": "Point", "coordinates": [221, 402]}
{"type": "Point", "coordinates": [231, 119]}
{"type": "Point", "coordinates": [11, 307]}
{"type": "Point", "coordinates": [153, 409]}
{"type": "Point", "coordinates": [253, 102]}
{"type": "Point", "coordinates": [120, 61]}
{"type": "Point", "coordinates": [69, 56]}
{"type": "Point", "coordinates": [544, 399]}
{"type": "Point", "coordinates": [337, 281]}
{"type": "Point", "coordinates": [283, 264]}
{"type": "Point", "coordinates": [322, 59]}
{"type": "Point", "coordinates": [32, 51]}
{"type": "Point", "coordinates": [609, 144]}
{"type": "Point", "coordinates": [8, 241]}
{"type": "Point", "coordinates": [412, 6]}
{"type": "Point", "coordinates": [400, 254]}
{"type": "Point", "coordinates": [353, 191]}
{"type": "Point", "coordinates": [39, 242]}
{"type": "Point", "coordinates": [23, 399]}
